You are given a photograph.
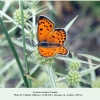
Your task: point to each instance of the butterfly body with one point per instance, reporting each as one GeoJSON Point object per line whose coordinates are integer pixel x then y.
{"type": "Point", "coordinates": [46, 44]}
{"type": "Point", "coordinates": [50, 41]}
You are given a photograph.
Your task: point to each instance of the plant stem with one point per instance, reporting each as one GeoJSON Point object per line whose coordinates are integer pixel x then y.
{"type": "Point", "coordinates": [15, 53]}
{"type": "Point", "coordinates": [27, 75]}
{"type": "Point", "coordinates": [51, 76]}
{"type": "Point", "coordinates": [24, 45]}
{"type": "Point", "coordinates": [34, 24]}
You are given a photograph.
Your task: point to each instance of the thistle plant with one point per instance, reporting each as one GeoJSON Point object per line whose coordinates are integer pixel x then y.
{"type": "Point", "coordinates": [48, 75]}
{"type": "Point", "coordinates": [74, 65]}
{"type": "Point", "coordinates": [37, 58]}
{"type": "Point", "coordinates": [17, 16]}
{"type": "Point", "coordinates": [73, 78]}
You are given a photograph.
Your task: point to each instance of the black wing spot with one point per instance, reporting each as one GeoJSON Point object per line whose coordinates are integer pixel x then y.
{"type": "Point", "coordinates": [42, 22]}
{"type": "Point", "coordinates": [58, 34]}
{"type": "Point", "coordinates": [61, 35]}
{"type": "Point", "coordinates": [50, 25]}
{"type": "Point", "coordinates": [62, 41]}
{"type": "Point", "coordinates": [54, 49]}
{"type": "Point", "coordinates": [58, 38]}
{"type": "Point", "coordinates": [41, 29]}
{"type": "Point", "coordinates": [59, 41]}
{"type": "Point", "coordinates": [40, 33]}
{"type": "Point", "coordinates": [53, 36]}
{"type": "Point", "coordinates": [42, 50]}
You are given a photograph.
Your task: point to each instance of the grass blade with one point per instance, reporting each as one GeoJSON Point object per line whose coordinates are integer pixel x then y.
{"type": "Point", "coordinates": [31, 72]}
{"type": "Point", "coordinates": [14, 52]}
{"type": "Point", "coordinates": [24, 45]}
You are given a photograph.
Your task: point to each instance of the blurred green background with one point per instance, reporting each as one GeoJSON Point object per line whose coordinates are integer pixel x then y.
{"type": "Point", "coordinates": [83, 35]}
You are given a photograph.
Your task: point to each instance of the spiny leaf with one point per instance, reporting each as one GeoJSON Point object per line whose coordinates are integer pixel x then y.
{"type": "Point", "coordinates": [70, 23]}
{"type": "Point", "coordinates": [90, 57]}
{"type": "Point", "coordinates": [87, 71]}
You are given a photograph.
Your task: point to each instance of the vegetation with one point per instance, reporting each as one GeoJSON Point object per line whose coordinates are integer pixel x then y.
{"type": "Point", "coordinates": [21, 65]}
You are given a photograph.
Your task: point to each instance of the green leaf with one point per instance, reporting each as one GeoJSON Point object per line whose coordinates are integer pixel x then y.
{"type": "Point", "coordinates": [19, 43]}
{"type": "Point", "coordinates": [35, 3]}
{"type": "Point", "coordinates": [90, 57]}
{"type": "Point", "coordinates": [85, 81]}
{"type": "Point", "coordinates": [87, 71]}
{"type": "Point", "coordinates": [40, 11]}
{"type": "Point", "coordinates": [23, 39]}
{"type": "Point", "coordinates": [13, 21]}
{"type": "Point", "coordinates": [31, 72]}
{"type": "Point", "coordinates": [14, 52]}
{"type": "Point", "coordinates": [7, 66]}
{"type": "Point", "coordinates": [71, 59]}
{"type": "Point", "coordinates": [70, 23]}
{"type": "Point", "coordinates": [40, 8]}
{"type": "Point", "coordinates": [52, 76]}
{"type": "Point", "coordinates": [60, 74]}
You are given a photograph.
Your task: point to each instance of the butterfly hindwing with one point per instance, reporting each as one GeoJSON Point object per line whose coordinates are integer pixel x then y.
{"type": "Point", "coordinates": [46, 52]}
{"type": "Point", "coordinates": [61, 50]}
{"type": "Point", "coordinates": [52, 51]}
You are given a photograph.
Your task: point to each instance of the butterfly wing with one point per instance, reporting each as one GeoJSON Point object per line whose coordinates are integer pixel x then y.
{"type": "Point", "coordinates": [57, 36]}
{"type": "Point", "coordinates": [47, 34]}
{"type": "Point", "coordinates": [61, 50]}
{"type": "Point", "coordinates": [52, 51]}
{"type": "Point", "coordinates": [45, 26]}
{"type": "Point", "coordinates": [46, 52]}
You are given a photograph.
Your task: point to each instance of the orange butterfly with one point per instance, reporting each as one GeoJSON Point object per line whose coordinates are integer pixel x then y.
{"type": "Point", "coordinates": [50, 40]}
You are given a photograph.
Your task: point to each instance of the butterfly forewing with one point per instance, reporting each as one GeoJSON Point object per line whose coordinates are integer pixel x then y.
{"type": "Point", "coordinates": [57, 36]}
{"type": "Point", "coordinates": [45, 26]}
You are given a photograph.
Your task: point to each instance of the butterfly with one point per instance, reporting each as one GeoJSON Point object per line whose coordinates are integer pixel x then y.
{"type": "Point", "coordinates": [50, 41]}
